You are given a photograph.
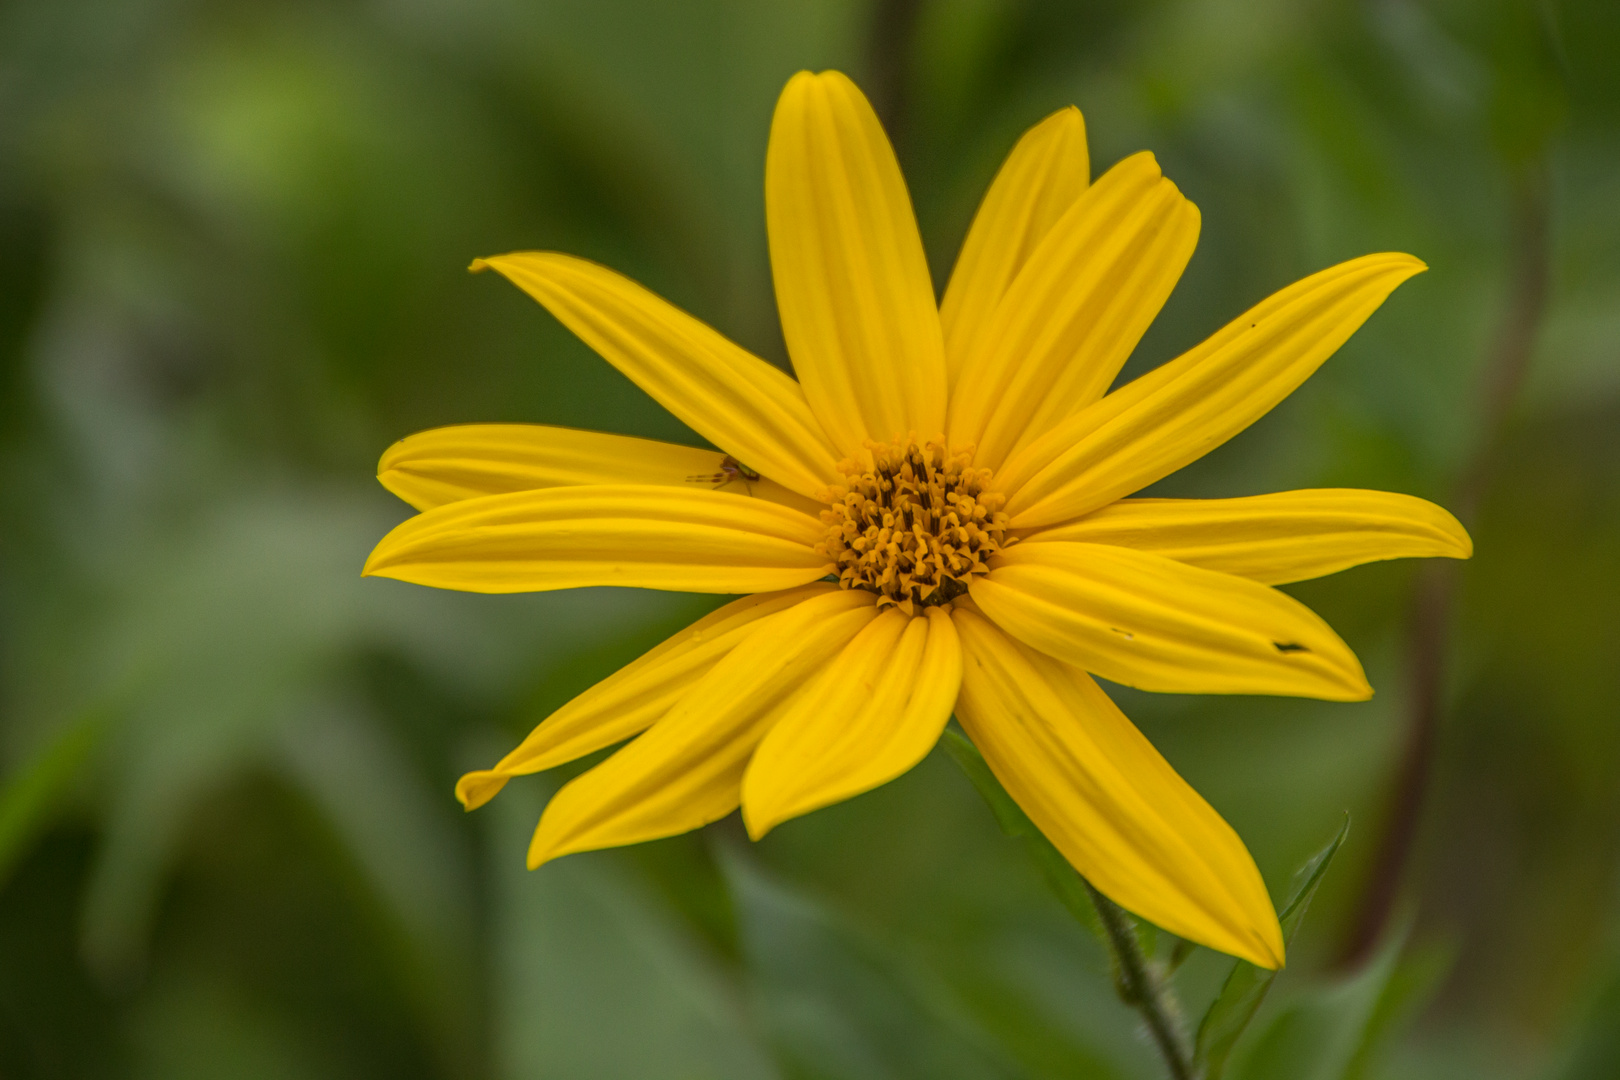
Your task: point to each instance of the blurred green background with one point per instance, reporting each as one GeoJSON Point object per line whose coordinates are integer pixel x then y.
{"type": "Point", "coordinates": [232, 248]}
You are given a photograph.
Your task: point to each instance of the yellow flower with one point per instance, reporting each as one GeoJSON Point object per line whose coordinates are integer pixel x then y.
{"type": "Point", "coordinates": [930, 520]}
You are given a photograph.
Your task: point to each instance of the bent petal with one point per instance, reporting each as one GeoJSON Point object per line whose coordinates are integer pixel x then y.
{"type": "Point", "coordinates": [1076, 310]}
{"type": "Point", "coordinates": [464, 461]}
{"type": "Point", "coordinates": [870, 716]}
{"type": "Point", "coordinates": [686, 770]}
{"type": "Point", "coordinates": [634, 697]}
{"type": "Point", "coordinates": [852, 284]}
{"type": "Point", "coordinates": [1278, 538]}
{"type": "Point", "coordinates": [1184, 409]}
{"type": "Point", "coordinates": [1042, 177]}
{"type": "Point", "coordinates": [719, 389]}
{"type": "Point", "coordinates": [1105, 797]}
{"type": "Point", "coordinates": [623, 534]}
{"type": "Point", "coordinates": [1151, 622]}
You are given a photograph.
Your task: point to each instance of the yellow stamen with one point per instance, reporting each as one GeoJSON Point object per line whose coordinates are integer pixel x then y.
{"type": "Point", "coordinates": [913, 523]}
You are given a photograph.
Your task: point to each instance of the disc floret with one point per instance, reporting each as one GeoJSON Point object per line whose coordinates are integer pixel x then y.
{"type": "Point", "coordinates": [912, 522]}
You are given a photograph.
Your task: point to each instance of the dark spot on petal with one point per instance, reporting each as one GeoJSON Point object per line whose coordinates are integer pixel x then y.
{"type": "Point", "coordinates": [1290, 646]}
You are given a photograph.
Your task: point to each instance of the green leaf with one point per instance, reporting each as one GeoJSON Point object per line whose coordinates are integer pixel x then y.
{"type": "Point", "coordinates": [1596, 1049]}
{"type": "Point", "coordinates": [1245, 988]}
{"type": "Point", "coordinates": [1411, 985]}
{"type": "Point", "coordinates": [28, 798]}
{"type": "Point", "coordinates": [839, 1002]}
{"type": "Point", "coordinates": [1062, 877]}
{"type": "Point", "coordinates": [1332, 1031]}
{"type": "Point", "coordinates": [597, 977]}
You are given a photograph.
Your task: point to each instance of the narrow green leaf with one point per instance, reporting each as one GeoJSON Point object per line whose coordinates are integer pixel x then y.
{"type": "Point", "coordinates": [1012, 819]}
{"type": "Point", "coordinates": [1333, 1029]}
{"type": "Point", "coordinates": [597, 975]}
{"type": "Point", "coordinates": [1179, 953]}
{"type": "Point", "coordinates": [1063, 878]}
{"type": "Point", "coordinates": [1413, 980]}
{"type": "Point", "coordinates": [835, 1000]}
{"type": "Point", "coordinates": [1245, 988]}
{"type": "Point", "coordinates": [28, 797]}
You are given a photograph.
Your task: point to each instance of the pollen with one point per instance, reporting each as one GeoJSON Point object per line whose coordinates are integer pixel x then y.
{"type": "Point", "coordinates": [912, 523]}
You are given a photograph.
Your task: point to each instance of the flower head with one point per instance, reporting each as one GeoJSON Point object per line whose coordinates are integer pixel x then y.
{"type": "Point", "coordinates": [931, 519]}
{"type": "Point", "coordinates": [913, 524]}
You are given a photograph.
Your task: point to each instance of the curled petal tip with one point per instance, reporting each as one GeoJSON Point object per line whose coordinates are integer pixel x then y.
{"type": "Point", "coordinates": [477, 788]}
{"type": "Point", "coordinates": [478, 266]}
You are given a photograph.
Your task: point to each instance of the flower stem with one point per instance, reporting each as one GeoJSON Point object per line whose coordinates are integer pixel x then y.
{"type": "Point", "coordinates": [1141, 987]}
{"type": "Point", "coordinates": [1138, 980]}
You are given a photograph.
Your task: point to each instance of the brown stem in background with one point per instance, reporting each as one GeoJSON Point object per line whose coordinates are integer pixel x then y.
{"type": "Point", "coordinates": [889, 60]}
{"type": "Point", "coordinates": [1429, 615]}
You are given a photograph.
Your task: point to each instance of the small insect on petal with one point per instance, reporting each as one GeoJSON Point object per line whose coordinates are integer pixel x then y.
{"type": "Point", "coordinates": [730, 469]}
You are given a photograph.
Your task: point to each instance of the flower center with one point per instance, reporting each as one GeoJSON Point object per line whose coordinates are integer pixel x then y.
{"type": "Point", "coordinates": [914, 524]}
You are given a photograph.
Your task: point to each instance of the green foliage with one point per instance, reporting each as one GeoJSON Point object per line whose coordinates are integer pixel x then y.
{"type": "Point", "coordinates": [1064, 881]}
{"type": "Point", "coordinates": [1229, 1015]}
{"type": "Point", "coordinates": [587, 931]}
{"type": "Point", "coordinates": [838, 1004]}
{"type": "Point", "coordinates": [1596, 1049]}
{"type": "Point", "coordinates": [1336, 1031]}
{"type": "Point", "coordinates": [29, 798]}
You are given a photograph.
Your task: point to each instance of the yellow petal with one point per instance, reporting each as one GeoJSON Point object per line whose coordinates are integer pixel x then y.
{"type": "Point", "coordinates": [686, 770]}
{"type": "Point", "coordinates": [720, 390]}
{"type": "Point", "coordinates": [1076, 310]}
{"type": "Point", "coordinates": [1184, 409]}
{"type": "Point", "coordinates": [852, 284]}
{"type": "Point", "coordinates": [622, 534]}
{"type": "Point", "coordinates": [870, 716]}
{"type": "Point", "coordinates": [1151, 622]}
{"type": "Point", "coordinates": [1278, 538]}
{"type": "Point", "coordinates": [448, 464]}
{"type": "Point", "coordinates": [634, 697]}
{"type": "Point", "coordinates": [1042, 177]}
{"type": "Point", "coordinates": [1106, 798]}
